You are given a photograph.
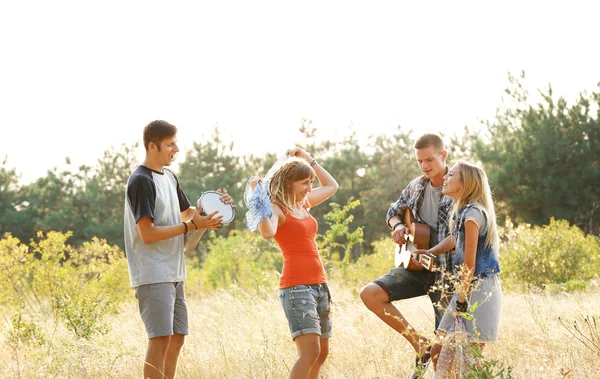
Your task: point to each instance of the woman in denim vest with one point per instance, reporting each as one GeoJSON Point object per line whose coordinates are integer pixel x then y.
{"type": "Point", "coordinates": [475, 238]}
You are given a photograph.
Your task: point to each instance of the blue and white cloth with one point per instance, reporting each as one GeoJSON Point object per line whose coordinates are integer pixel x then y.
{"type": "Point", "coordinates": [258, 204]}
{"type": "Point", "coordinates": [258, 200]}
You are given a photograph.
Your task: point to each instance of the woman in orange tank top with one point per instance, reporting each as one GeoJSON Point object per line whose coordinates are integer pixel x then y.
{"type": "Point", "coordinates": [302, 287]}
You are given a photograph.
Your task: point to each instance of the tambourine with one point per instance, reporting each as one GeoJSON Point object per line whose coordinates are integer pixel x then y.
{"type": "Point", "coordinates": [210, 202]}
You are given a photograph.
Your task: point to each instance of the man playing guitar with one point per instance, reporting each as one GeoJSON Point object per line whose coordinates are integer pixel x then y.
{"type": "Point", "coordinates": [424, 199]}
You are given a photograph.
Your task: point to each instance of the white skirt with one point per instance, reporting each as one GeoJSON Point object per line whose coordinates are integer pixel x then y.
{"type": "Point", "coordinates": [487, 294]}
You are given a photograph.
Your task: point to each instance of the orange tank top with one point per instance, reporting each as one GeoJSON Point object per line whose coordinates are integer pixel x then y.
{"type": "Point", "coordinates": [301, 261]}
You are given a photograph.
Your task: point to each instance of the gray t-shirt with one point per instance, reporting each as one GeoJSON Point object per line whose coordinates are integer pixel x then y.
{"type": "Point", "coordinates": [428, 212]}
{"type": "Point", "coordinates": [479, 217]}
{"type": "Point", "coordinates": [158, 196]}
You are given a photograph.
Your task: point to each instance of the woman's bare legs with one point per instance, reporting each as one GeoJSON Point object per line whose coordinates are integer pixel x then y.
{"type": "Point", "coordinates": [312, 352]}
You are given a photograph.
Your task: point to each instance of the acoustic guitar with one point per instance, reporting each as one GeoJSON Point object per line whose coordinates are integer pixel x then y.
{"type": "Point", "coordinates": [417, 239]}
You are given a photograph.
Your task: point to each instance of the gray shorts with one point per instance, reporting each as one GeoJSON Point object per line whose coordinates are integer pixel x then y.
{"type": "Point", "coordinates": [307, 309]}
{"type": "Point", "coordinates": [402, 284]}
{"type": "Point", "coordinates": [163, 308]}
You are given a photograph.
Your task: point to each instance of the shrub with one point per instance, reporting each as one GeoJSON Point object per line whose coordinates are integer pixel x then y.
{"type": "Point", "coordinates": [367, 267]}
{"type": "Point", "coordinates": [555, 254]}
{"type": "Point", "coordinates": [24, 331]}
{"type": "Point", "coordinates": [75, 286]}
{"type": "Point", "coordinates": [339, 239]}
{"type": "Point", "coordinates": [244, 259]}
{"type": "Point", "coordinates": [250, 262]}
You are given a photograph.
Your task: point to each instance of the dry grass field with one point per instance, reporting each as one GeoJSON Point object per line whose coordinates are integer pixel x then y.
{"type": "Point", "coordinates": [237, 335]}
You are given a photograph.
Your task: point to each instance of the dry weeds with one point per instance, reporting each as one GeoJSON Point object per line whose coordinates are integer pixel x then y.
{"type": "Point", "coordinates": [238, 335]}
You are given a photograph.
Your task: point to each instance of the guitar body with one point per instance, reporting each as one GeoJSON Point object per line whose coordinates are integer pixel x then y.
{"type": "Point", "coordinates": [418, 239]}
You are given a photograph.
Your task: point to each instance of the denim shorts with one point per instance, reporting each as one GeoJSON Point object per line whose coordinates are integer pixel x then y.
{"type": "Point", "coordinates": [307, 308]}
{"type": "Point", "coordinates": [402, 284]}
{"type": "Point", "coordinates": [163, 308]}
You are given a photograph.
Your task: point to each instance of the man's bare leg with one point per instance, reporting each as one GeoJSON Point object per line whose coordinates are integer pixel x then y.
{"type": "Point", "coordinates": [377, 301]}
{"type": "Point", "coordinates": [154, 365]}
{"type": "Point", "coordinates": [172, 354]}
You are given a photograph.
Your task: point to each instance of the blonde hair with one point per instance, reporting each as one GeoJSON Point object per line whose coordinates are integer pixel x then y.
{"type": "Point", "coordinates": [290, 171]}
{"type": "Point", "coordinates": [476, 190]}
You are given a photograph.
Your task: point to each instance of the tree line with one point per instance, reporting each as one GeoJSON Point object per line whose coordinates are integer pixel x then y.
{"type": "Point", "coordinates": [543, 161]}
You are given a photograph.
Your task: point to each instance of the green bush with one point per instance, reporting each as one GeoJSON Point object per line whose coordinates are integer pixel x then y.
{"type": "Point", "coordinates": [557, 255]}
{"type": "Point", "coordinates": [367, 267]}
{"type": "Point", "coordinates": [244, 259]}
{"type": "Point", "coordinates": [335, 246]}
{"type": "Point", "coordinates": [76, 287]}
{"type": "Point", "coordinates": [24, 331]}
{"type": "Point", "coordinates": [250, 262]}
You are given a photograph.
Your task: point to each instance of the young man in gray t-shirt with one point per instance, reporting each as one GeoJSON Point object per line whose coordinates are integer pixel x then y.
{"type": "Point", "coordinates": [157, 216]}
{"type": "Point", "coordinates": [423, 197]}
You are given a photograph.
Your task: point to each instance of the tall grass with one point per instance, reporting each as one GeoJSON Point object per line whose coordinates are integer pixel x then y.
{"type": "Point", "coordinates": [77, 318]}
{"type": "Point", "coordinates": [236, 334]}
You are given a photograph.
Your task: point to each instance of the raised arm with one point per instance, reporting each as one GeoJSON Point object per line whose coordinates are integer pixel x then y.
{"type": "Point", "coordinates": [268, 226]}
{"type": "Point", "coordinates": [328, 184]}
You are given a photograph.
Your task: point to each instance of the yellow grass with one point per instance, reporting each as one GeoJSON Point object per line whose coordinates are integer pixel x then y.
{"type": "Point", "coordinates": [237, 335]}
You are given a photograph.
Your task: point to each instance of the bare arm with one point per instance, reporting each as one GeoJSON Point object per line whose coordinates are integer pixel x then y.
{"type": "Point", "coordinates": [150, 233]}
{"type": "Point", "coordinates": [188, 214]}
{"type": "Point", "coordinates": [395, 219]}
{"type": "Point", "coordinates": [268, 226]}
{"type": "Point", "coordinates": [471, 236]}
{"type": "Point", "coordinates": [446, 244]}
{"type": "Point", "coordinates": [399, 230]}
{"type": "Point", "coordinates": [328, 187]}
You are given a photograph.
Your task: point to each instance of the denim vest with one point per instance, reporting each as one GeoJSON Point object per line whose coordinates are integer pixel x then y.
{"type": "Point", "coordinates": [486, 259]}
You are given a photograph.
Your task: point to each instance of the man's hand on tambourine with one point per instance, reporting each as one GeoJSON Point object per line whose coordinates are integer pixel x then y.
{"type": "Point", "coordinates": [399, 234]}
{"type": "Point", "coordinates": [225, 198]}
{"type": "Point", "coordinates": [211, 221]}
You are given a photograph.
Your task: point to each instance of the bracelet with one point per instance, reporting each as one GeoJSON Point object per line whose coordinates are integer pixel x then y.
{"type": "Point", "coordinates": [395, 225]}
{"type": "Point", "coordinates": [314, 162]}
{"type": "Point", "coordinates": [186, 229]}
{"type": "Point", "coordinates": [462, 307]}
{"type": "Point", "coordinates": [193, 223]}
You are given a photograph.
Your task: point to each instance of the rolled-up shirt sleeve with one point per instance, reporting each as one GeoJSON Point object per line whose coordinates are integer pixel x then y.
{"type": "Point", "coordinates": [397, 208]}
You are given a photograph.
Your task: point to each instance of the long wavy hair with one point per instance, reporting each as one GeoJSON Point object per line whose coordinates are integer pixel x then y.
{"type": "Point", "coordinates": [292, 170]}
{"type": "Point", "coordinates": [476, 190]}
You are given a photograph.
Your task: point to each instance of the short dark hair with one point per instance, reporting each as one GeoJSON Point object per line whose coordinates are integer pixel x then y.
{"type": "Point", "coordinates": [156, 131]}
{"type": "Point", "coordinates": [430, 139]}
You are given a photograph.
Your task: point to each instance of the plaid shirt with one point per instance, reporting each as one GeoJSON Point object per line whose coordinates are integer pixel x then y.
{"type": "Point", "coordinates": [412, 197]}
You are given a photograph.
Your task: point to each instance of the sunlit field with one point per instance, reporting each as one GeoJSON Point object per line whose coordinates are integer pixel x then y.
{"type": "Point", "coordinates": [237, 335]}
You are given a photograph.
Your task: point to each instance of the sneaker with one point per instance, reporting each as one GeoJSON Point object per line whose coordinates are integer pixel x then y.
{"type": "Point", "coordinates": [421, 364]}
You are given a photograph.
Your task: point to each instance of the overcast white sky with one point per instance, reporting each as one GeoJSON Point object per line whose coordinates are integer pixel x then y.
{"type": "Point", "coordinates": [77, 77]}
